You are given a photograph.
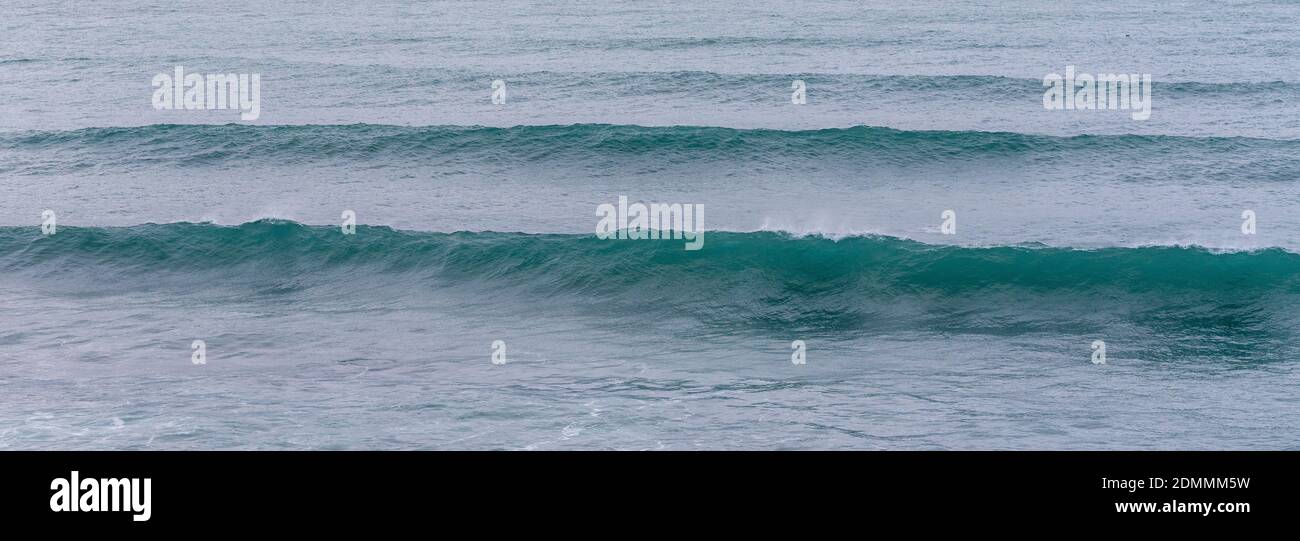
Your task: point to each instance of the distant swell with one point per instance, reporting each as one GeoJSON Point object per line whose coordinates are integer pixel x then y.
{"type": "Point", "coordinates": [593, 144]}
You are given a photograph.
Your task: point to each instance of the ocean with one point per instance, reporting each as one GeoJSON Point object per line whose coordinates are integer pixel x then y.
{"type": "Point", "coordinates": [920, 256]}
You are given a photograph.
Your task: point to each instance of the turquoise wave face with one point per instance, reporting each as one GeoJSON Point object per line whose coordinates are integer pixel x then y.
{"type": "Point", "coordinates": [877, 262]}
{"type": "Point", "coordinates": [740, 283]}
